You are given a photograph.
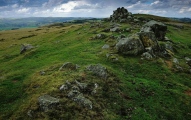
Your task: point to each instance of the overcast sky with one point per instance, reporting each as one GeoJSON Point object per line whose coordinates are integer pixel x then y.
{"type": "Point", "coordinates": [92, 8]}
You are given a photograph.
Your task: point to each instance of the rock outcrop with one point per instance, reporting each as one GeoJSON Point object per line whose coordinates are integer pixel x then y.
{"type": "Point", "coordinates": [158, 28]}
{"type": "Point", "coordinates": [150, 42]}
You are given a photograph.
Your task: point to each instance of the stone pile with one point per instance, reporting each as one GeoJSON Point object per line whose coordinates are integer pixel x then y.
{"type": "Point", "coordinates": [76, 91]}
{"type": "Point", "coordinates": [121, 15]}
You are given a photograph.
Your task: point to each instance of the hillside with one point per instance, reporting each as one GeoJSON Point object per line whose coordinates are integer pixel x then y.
{"type": "Point", "coordinates": [32, 22]}
{"type": "Point", "coordinates": [74, 71]}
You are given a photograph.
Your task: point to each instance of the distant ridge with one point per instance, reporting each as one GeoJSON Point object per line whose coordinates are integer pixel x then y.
{"type": "Point", "coordinates": [30, 22]}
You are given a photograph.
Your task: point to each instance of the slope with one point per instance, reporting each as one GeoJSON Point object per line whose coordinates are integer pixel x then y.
{"type": "Point", "coordinates": [135, 89]}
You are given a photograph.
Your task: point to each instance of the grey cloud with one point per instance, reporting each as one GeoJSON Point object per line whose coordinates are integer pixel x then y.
{"type": "Point", "coordinates": [89, 6]}
{"type": "Point", "coordinates": [171, 4]}
{"type": "Point", "coordinates": [52, 3]}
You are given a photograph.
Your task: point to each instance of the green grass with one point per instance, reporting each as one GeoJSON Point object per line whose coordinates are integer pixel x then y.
{"type": "Point", "coordinates": [136, 89]}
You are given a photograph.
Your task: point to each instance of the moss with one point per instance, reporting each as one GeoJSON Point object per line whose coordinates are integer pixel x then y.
{"type": "Point", "coordinates": [147, 42]}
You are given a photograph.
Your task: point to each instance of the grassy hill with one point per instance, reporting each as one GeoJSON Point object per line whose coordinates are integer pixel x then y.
{"type": "Point", "coordinates": [33, 22]}
{"type": "Point", "coordinates": [135, 88]}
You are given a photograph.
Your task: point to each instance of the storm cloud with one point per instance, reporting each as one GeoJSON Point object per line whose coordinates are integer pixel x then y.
{"type": "Point", "coordinates": [92, 8]}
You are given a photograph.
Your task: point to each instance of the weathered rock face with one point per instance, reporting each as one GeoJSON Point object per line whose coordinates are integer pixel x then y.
{"type": "Point", "coordinates": [47, 102]}
{"type": "Point", "coordinates": [130, 46]}
{"type": "Point", "coordinates": [121, 15]}
{"type": "Point", "coordinates": [98, 70]}
{"type": "Point", "coordinates": [158, 28]}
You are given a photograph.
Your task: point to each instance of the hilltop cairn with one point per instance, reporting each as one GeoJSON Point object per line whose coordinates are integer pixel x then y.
{"type": "Point", "coordinates": [122, 15]}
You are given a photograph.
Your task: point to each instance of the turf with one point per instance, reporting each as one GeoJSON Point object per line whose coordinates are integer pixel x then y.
{"type": "Point", "coordinates": [136, 89]}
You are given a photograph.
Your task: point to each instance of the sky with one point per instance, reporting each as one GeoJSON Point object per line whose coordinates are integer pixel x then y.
{"type": "Point", "coordinates": [92, 8]}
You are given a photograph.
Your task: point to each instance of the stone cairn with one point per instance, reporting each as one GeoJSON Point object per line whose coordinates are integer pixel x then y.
{"type": "Point", "coordinates": [121, 15]}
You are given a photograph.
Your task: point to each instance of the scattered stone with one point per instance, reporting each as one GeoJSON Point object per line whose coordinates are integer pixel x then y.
{"type": "Point", "coordinates": [107, 55]}
{"type": "Point", "coordinates": [187, 59]}
{"type": "Point", "coordinates": [98, 70]}
{"type": "Point", "coordinates": [68, 83]}
{"type": "Point", "coordinates": [115, 29]}
{"type": "Point", "coordinates": [147, 56]}
{"type": "Point", "coordinates": [69, 65]}
{"type": "Point", "coordinates": [30, 113]}
{"type": "Point", "coordinates": [81, 85]}
{"type": "Point", "coordinates": [25, 47]}
{"type": "Point", "coordinates": [75, 88]}
{"type": "Point", "coordinates": [178, 67]}
{"type": "Point", "coordinates": [106, 46]}
{"type": "Point", "coordinates": [176, 64]}
{"type": "Point", "coordinates": [169, 46]}
{"type": "Point", "coordinates": [95, 89]}
{"type": "Point", "coordinates": [73, 93]}
{"type": "Point", "coordinates": [136, 20]}
{"type": "Point", "coordinates": [100, 36]}
{"type": "Point", "coordinates": [76, 93]}
{"type": "Point", "coordinates": [112, 57]}
{"type": "Point", "coordinates": [47, 102]}
{"type": "Point", "coordinates": [175, 61]}
{"type": "Point", "coordinates": [58, 41]}
{"type": "Point", "coordinates": [80, 99]}
{"type": "Point", "coordinates": [130, 46]}
{"type": "Point", "coordinates": [42, 73]}
{"type": "Point", "coordinates": [166, 39]}
{"type": "Point", "coordinates": [63, 87]}
{"type": "Point", "coordinates": [120, 37]}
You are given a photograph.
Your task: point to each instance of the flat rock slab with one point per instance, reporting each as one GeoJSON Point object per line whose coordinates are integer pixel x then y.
{"type": "Point", "coordinates": [98, 70]}
{"type": "Point", "coordinates": [47, 102]}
